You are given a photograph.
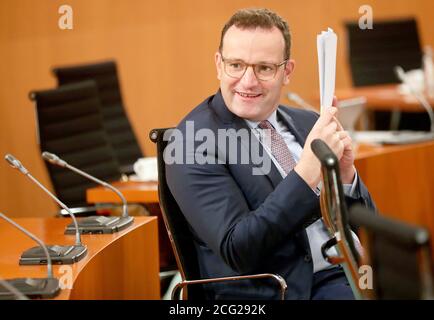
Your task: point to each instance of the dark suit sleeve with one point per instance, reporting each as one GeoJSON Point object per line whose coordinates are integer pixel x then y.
{"type": "Point", "coordinates": [217, 210]}
{"type": "Point", "coordinates": [361, 196]}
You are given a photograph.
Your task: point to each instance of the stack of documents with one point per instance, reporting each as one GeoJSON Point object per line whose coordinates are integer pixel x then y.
{"type": "Point", "coordinates": [326, 45]}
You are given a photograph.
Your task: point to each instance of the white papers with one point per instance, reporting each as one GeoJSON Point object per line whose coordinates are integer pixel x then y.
{"type": "Point", "coordinates": [326, 46]}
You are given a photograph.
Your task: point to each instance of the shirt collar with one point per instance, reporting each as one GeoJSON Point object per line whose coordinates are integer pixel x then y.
{"type": "Point", "coordinates": [272, 119]}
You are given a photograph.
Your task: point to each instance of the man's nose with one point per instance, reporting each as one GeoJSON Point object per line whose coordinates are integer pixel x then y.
{"type": "Point", "coordinates": [249, 78]}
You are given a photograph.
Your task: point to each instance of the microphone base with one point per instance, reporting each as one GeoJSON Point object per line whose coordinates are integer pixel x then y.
{"type": "Point", "coordinates": [33, 288]}
{"type": "Point", "coordinates": [59, 255]}
{"type": "Point", "coordinates": [100, 225]}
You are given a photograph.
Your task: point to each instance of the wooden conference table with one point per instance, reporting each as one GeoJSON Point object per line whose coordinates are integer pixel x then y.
{"type": "Point", "coordinates": [383, 98]}
{"type": "Point", "coordinates": [399, 178]}
{"type": "Point", "coordinates": [123, 265]}
{"type": "Point", "coordinates": [143, 193]}
{"type": "Point", "coordinates": [401, 181]}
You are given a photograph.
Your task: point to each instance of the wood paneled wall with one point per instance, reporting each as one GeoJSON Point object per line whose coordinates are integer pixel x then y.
{"type": "Point", "coordinates": [164, 50]}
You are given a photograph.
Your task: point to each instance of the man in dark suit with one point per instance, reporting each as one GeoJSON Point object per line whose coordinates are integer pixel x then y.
{"type": "Point", "coordinates": [253, 202]}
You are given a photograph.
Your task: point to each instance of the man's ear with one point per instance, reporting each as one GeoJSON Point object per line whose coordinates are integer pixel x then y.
{"type": "Point", "coordinates": [289, 68]}
{"type": "Point", "coordinates": [218, 64]}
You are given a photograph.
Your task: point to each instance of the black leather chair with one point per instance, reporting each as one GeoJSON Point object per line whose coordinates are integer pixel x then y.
{"type": "Point", "coordinates": [116, 122]}
{"type": "Point", "coordinates": [334, 211]}
{"type": "Point", "coordinates": [69, 124]}
{"type": "Point", "coordinates": [399, 255]}
{"type": "Point", "coordinates": [373, 55]}
{"type": "Point", "coordinates": [181, 236]}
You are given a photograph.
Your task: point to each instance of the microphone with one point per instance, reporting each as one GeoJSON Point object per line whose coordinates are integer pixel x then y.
{"type": "Point", "coordinates": [32, 287]}
{"type": "Point", "coordinates": [7, 287]}
{"type": "Point", "coordinates": [59, 254]}
{"type": "Point", "coordinates": [399, 71]}
{"type": "Point", "coordinates": [95, 224]}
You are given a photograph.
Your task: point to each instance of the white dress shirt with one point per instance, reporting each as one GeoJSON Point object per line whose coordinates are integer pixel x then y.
{"type": "Point", "coordinates": [316, 232]}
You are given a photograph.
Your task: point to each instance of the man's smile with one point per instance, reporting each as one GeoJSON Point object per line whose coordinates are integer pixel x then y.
{"type": "Point", "coordinates": [248, 95]}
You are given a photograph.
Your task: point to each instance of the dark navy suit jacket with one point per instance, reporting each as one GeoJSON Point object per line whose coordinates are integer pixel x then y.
{"type": "Point", "coordinates": [245, 223]}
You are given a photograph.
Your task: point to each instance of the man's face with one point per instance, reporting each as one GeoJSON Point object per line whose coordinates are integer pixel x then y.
{"type": "Point", "coordinates": [248, 97]}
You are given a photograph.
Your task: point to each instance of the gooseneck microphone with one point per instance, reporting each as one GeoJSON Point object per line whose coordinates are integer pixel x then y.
{"type": "Point", "coordinates": [31, 287]}
{"type": "Point", "coordinates": [54, 159]}
{"type": "Point", "coordinates": [59, 254]}
{"type": "Point", "coordinates": [399, 71]}
{"type": "Point", "coordinates": [95, 224]}
{"type": "Point", "coordinates": [15, 294]}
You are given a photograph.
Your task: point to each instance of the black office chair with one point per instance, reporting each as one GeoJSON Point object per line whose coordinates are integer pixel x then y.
{"type": "Point", "coordinates": [116, 122]}
{"type": "Point", "coordinates": [69, 124]}
{"type": "Point", "coordinates": [181, 236]}
{"type": "Point", "coordinates": [373, 55]}
{"type": "Point", "coordinates": [399, 254]}
{"type": "Point", "coordinates": [334, 212]}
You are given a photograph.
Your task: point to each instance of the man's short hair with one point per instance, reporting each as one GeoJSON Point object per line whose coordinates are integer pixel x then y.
{"type": "Point", "coordinates": [262, 18]}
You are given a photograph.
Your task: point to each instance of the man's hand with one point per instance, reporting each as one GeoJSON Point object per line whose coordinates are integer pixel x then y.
{"type": "Point", "coordinates": [346, 162]}
{"type": "Point", "coordinates": [327, 129]}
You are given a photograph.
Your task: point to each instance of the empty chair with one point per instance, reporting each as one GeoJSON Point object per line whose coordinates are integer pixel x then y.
{"type": "Point", "coordinates": [181, 237]}
{"type": "Point", "coordinates": [69, 124]}
{"type": "Point", "coordinates": [373, 53]}
{"type": "Point", "coordinates": [399, 255]}
{"type": "Point", "coordinates": [116, 122]}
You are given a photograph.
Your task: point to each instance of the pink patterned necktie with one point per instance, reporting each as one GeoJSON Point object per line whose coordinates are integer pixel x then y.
{"type": "Point", "coordinates": [279, 149]}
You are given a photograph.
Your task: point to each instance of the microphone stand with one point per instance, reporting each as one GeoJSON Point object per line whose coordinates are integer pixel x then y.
{"type": "Point", "coordinates": [68, 254]}
{"type": "Point", "coordinates": [31, 287]}
{"type": "Point", "coordinates": [94, 224]}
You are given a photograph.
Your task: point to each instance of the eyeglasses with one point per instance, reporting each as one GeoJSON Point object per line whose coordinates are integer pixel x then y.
{"type": "Point", "coordinates": [263, 71]}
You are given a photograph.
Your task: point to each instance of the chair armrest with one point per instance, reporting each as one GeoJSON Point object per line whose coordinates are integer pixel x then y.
{"type": "Point", "coordinates": [324, 251]}
{"type": "Point", "coordinates": [184, 283]}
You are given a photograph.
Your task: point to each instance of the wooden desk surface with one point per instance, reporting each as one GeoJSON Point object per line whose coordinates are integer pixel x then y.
{"type": "Point", "coordinates": [383, 98]}
{"type": "Point", "coordinates": [133, 191]}
{"type": "Point", "coordinates": [122, 265]}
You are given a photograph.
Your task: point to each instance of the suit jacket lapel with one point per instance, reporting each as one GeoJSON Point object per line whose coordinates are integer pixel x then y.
{"type": "Point", "coordinates": [298, 131]}
{"type": "Point", "coordinates": [300, 134]}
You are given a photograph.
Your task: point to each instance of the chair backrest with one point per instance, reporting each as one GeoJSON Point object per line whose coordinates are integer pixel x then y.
{"type": "Point", "coordinates": [373, 53]}
{"type": "Point", "coordinates": [69, 124]}
{"type": "Point", "coordinates": [399, 255]}
{"type": "Point", "coordinates": [335, 214]}
{"type": "Point", "coordinates": [180, 234]}
{"type": "Point", "coordinates": [116, 122]}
